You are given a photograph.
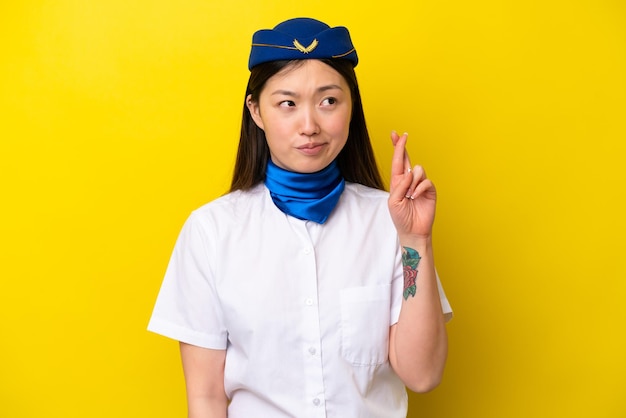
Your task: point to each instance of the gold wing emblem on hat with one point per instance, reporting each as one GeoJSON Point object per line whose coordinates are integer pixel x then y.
{"type": "Point", "coordinates": [305, 49]}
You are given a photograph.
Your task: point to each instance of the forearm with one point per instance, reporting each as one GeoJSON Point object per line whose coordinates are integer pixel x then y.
{"type": "Point", "coordinates": [419, 339]}
{"type": "Point", "coordinates": [207, 407]}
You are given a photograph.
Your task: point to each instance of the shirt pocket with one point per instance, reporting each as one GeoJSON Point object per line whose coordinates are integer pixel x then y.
{"type": "Point", "coordinates": [365, 317]}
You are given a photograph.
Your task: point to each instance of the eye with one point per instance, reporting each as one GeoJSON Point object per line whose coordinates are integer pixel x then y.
{"type": "Point", "coordinates": [329, 101]}
{"type": "Point", "coordinates": [287, 103]}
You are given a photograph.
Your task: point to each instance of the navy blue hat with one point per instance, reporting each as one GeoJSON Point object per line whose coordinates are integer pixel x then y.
{"type": "Point", "coordinates": [301, 38]}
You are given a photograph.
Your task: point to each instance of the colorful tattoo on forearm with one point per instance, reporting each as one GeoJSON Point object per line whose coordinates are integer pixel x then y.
{"type": "Point", "coordinates": [410, 261]}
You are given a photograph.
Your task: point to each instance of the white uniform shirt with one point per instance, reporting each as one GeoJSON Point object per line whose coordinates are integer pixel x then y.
{"type": "Point", "coordinates": [302, 309]}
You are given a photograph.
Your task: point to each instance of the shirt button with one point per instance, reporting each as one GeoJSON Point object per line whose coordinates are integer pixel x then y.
{"type": "Point", "coordinates": [316, 402]}
{"type": "Point", "coordinates": [309, 302]}
{"type": "Point", "coordinates": [312, 351]}
{"type": "Point", "coordinates": [307, 250]}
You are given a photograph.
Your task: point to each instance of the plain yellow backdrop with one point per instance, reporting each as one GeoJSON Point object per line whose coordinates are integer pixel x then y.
{"type": "Point", "coordinates": [117, 118]}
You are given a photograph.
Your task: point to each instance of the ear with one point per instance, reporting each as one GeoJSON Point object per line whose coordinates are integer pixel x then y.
{"type": "Point", "coordinates": [255, 111]}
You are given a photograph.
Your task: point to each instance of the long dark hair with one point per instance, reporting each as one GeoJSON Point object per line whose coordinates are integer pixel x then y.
{"type": "Point", "coordinates": [356, 160]}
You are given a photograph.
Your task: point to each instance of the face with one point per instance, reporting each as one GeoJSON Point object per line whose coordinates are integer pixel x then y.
{"type": "Point", "coordinates": [305, 113]}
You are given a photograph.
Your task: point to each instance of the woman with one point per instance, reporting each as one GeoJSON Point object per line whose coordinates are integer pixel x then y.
{"type": "Point", "coordinates": [307, 290]}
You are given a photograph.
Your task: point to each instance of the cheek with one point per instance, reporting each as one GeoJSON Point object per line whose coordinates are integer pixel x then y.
{"type": "Point", "coordinates": [276, 130]}
{"type": "Point", "coordinates": [341, 125]}
{"type": "Point", "coordinates": [277, 134]}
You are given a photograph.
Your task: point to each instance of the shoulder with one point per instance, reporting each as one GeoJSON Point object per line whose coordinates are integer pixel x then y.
{"type": "Point", "coordinates": [364, 203]}
{"type": "Point", "coordinates": [359, 192]}
{"type": "Point", "coordinates": [233, 199]}
{"type": "Point", "coordinates": [231, 207]}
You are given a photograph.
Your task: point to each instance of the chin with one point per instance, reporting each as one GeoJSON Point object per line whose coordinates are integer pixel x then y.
{"type": "Point", "coordinates": [305, 166]}
{"type": "Point", "coordinates": [313, 168]}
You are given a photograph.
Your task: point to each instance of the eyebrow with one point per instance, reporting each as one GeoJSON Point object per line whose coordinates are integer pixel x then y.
{"type": "Point", "coordinates": [319, 90]}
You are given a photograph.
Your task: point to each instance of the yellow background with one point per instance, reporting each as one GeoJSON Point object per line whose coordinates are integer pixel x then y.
{"type": "Point", "coordinates": [120, 117]}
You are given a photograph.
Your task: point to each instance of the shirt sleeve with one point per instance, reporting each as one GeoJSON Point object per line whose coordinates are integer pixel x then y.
{"type": "Point", "coordinates": [397, 287]}
{"type": "Point", "coordinates": [187, 308]}
{"type": "Point", "coordinates": [445, 304]}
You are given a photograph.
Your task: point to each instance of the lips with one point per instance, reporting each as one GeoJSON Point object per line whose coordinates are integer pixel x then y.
{"type": "Point", "coordinates": [311, 148]}
{"type": "Point", "coordinates": [311, 145]}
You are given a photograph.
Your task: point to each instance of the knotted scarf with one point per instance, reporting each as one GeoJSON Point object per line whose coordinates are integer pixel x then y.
{"type": "Point", "coordinates": [307, 196]}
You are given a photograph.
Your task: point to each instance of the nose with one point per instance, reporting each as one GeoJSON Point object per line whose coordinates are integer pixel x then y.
{"type": "Point", "coordinates": [309, 125]}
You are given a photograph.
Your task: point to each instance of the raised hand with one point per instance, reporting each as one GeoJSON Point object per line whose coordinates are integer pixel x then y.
{"type": "Point", "coordinates": [412, 196]}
